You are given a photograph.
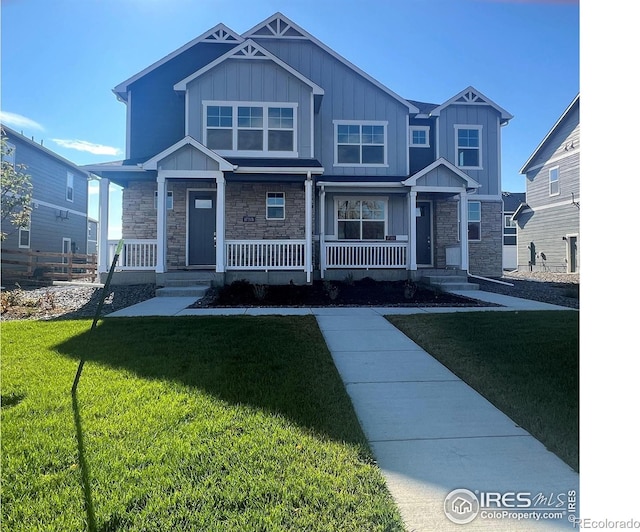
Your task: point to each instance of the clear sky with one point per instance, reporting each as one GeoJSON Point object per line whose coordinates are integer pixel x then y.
{"type": "Point", "coordinates": [60, 59]}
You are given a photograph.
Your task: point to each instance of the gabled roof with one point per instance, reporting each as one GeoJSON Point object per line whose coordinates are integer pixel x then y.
{"type": "Point", "coordinates": [218, 34]}
{"type": "Point", "coordinates": [471, 96]}
{"type": "Point", "coordinates": [521, 208]}
{"type": "Point", "coordinates": [152, 164]}
{"type": "Point", "coordinates": [249, 50]}
{"type": "Point", "coordinates": [280, 27]}
{"type": "Point", "coordinates": [411, 181]}
{"type": "Point", "coordinates": [572, 105]}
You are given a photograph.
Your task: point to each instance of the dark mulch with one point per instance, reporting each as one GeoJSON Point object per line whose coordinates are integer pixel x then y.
{"type": "Point", "coordinates": [366, 292]}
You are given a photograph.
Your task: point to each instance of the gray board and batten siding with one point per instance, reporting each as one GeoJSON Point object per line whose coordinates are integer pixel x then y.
{"type": "Point", "coordinates": [53, 217]}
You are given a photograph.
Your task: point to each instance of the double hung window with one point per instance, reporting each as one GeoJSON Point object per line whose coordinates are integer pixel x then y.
{"type": "Point", "coordinates": [468, 146]}
{"type": "Point", "coordinates": [554, 181]}
{"type": "Point", "coordinates": [360, 143]}
{"type": "Point", "coordinates": [361, 218]}
{"type": "Point", "coordinates": [474, 219]}
{"type": "Point", "coordinates": [275, 205]}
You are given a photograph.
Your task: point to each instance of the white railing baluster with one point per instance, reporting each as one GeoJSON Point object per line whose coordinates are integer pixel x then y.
{"type": "Point", "coordinates": [365, 254]}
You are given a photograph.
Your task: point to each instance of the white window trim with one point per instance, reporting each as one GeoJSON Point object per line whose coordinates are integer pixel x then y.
{"type": "Point", "coordinates": [557, 180]}
{"type": "Point", "coordinates": [383, 123]}
{"type": "Point", "coordinates": [426, 129]}
{"type": "Point", "coordinates": [338, 199]}
{"type": "Point", "coordinates": [284, 206]}
{"type": "Point", "coordinates": [265, 152]}
{"type": "Point", "coordinates": [508, 222]}
{"type": "Point", "coordinates": [479, 222]}
{"type": "Point", "coordinates": [21, 231]}
{"type": "Point", "coordinates": [169, 202]}
{"type": "Point", "coordinates": [457, 127]}
{"type": "Point", "coordinates": [70, 188]}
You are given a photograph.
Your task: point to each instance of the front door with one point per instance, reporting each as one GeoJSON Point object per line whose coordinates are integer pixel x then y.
{"type": "Point", "coordinates": [424, 255]}
{"type": "Point", "coordinates": [202, 228]}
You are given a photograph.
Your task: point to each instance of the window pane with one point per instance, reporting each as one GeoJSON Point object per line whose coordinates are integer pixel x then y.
{"type": "Point", "coordinates": [275, 198]}
{"type": "Point", "coordinates": [349, 230]}
{"type": "Point", "coordinates": [280, 140]}
{"type": "Point", "coordinates": [24, 238]}
{"type": "Point", "coordinates": [275, 212]}
{"type": "Point", "coordinates": [373, 134]}
{"type": "Point", "coordinates": [250, 140]}
{"type": "Point", "coordinates": [554, 188]}
{"type": "Point", "coordinates": [281, 117]}
{"type": "Point", "coordinates": [468, 157]}
{"type": "Point", "coordinates": [373, 230]}
{"type": "Point", "coordinates": [372, 210]}
{"type": "Point", "coordinates": [219, 116]}
{"type": "Point", "coordinates": [348, 210]}
{"type": "Point", "coordinates": [219, 139]}
{"type": "Point", "coordinates": [250, 117]}
{"type": "Point", "coordinates": [468, 138]}
{"type": "Point", "coordinates": [474, 211]}
{"type": "Point", "coordinates": [348, 134]}
{"type": "Point", "coordinates": [348, 154]}
{"type": "Point", "coordinates": [373, 154]}
{"type": "Point", "coordinates": [474, 231]}
{"type": "Point", "coordinates": [419, 137]}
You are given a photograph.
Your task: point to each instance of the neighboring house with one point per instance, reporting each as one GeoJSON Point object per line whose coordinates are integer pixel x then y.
{"type": "Point", "coordinates": [549, 221]}
{"type": "Point", "coordinates": [59, 200]}
{"type": "Point", "coordinates": [277, 159]}
{"type": "Point", "coordinates": [511, 201]}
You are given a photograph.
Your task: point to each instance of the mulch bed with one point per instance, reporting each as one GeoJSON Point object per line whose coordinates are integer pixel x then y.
{"type": "Point", "coordinates": [366, 292]}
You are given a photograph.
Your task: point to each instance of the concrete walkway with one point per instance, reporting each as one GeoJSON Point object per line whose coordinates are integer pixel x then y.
{"type": "Point", "coordinates": [431, 433]}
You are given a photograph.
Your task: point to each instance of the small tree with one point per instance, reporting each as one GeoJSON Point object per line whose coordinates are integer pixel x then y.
{"type": "Point", "coordinates": [16, 193]}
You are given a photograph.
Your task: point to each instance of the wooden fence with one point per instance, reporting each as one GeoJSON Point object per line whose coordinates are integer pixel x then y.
{"type": "Point", "coordinates": [46, 266]}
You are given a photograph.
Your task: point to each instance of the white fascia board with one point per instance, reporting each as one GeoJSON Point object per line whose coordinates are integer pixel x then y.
{"type": "Point", "coordinates": [152, 164]}
{"type": "Point", "coordinates": [182, 85]}
{"type": "Point", "coordinates": [525, 168]}
{"type": "Point", "coordinates": [504, 115]}
{"type": "Point", "coordinates": [471, 183]}
{"type": "Point", "coordinates": [249, 34]}
{"type": "Point", "coordinates": [121, 89]}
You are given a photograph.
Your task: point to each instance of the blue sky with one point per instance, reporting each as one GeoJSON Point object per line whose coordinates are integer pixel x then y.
{"type": "Point", "coordinates": [61, 59]}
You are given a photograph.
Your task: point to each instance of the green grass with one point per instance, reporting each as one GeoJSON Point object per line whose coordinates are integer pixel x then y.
{"type": "Point", "coordinates": [230, 423]}
{"type": "Point", "coordinates": [525, 363]}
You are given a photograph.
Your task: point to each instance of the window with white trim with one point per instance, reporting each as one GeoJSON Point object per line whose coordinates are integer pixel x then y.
{"type": "Point", "coordinates": [419, 136]}
{"type": "Point", "coordinates": [361, 218]}
{"type": "Point", "coordinates": [251, 129]}
{"type": "Point", "coordinates": [275, 205]}
{"type": "Point", "coordinates": [24, 235]}
{"type": "Point", "coordinates": [69, 186]}
{"type": "Point", "coordinates": [169, 200]}
{"type": "Point", "coordinates": [554, 181]}
{"type": "Point", "coordinates": [360, 143]}
{"type": "Point", "coordinates": [508, 222]}
{"type": "Point", "coordinates": [474, 219]}
{"type": "Point", "coordinates": [468, 146]}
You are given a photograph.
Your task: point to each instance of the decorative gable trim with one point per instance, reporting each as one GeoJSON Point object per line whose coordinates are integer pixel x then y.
{"type": "Point", "coordinates": [152, 164]}
{"type": "Point", "coordinates": [472, 96]}
{"type": "Point", "coordinates": [216, 35]}
{"type": "Point", "coordinates": [252, 51]}
{"type": "Point", "coordinates": [280, 27]}
{"type": "Point", "coordinates": [413, 180]}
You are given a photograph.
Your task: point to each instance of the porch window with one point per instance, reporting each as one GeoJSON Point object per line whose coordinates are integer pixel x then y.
{"type": "Point", "coordinates": [360, 143]}
{"type": "Point", "coordinates": [554, 181]}
{"type": "Point", "coordinates": [361, 219]}
{"type": "Point", "coordinates": [275, 205]}
{"type": "Point", "coordinates": [475, 216]}
{"type": "Point", "coordinates": [251, 129]}
{"type": "Point", "coordinates": [468, 146]}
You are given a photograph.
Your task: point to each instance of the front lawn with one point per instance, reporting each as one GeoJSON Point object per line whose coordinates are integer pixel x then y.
{"type": "Point", "coordinates": [525, 363]}
{"type": "Point", "coordinates": [230, 423]}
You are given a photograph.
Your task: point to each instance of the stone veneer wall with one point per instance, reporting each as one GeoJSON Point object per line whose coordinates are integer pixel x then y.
{"type": "Point", "coordinates": [250, 199]}
{"type": "Point", "coordinates": [138, 213]}
{"type": "Point", "coordinates": [485, 255]}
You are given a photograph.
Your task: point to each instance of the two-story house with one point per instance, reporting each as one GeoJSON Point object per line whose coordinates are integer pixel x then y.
{"type": "Point", "coordinates": [269, 156]}
{"type": "Point", "coordinates": [58, 222]}
{"type": "Point", "coordinates": [548, 223]}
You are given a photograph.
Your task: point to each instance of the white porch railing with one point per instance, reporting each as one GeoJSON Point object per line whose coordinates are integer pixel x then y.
{"type": "Point", "coordinates": [135, 255]}
{"type": "Point", "coordinates": [365, 254]}
{"type": "Point", "coordinates": [265, 254]}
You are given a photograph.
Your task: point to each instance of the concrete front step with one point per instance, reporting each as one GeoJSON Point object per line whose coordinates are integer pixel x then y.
{"type": "Point", "coordinates": [450, 282]}
{"type": "Point", "coordinates": [182, 291]}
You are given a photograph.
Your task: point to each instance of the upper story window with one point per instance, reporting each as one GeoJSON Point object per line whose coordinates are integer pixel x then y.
{"type": "Point", "coordinates": [361, 218]}
{"type": "Point", "coordinates": [554, 181]}
{"type": "Point", "coordinates": [252, 129]}
{"type": "Point", "coordinates": [360, 143]}
{"type": "Point", "coordinates": [474, 219]}
{"type": "Point", "coordinates": [69, 186]}
{"type": "Point", "coordinates": [24, 235]}
{"type": "Point", "coordinates": [419, 136]}
{"type": "Point", "coordinates": [468, 146]}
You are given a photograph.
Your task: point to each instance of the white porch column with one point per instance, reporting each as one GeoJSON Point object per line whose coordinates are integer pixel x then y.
{"type": "Point", "coordinates": [103, 246]}
{"type": "Point", "coordinates": [464, 231]}
{"type": "Point", "coordinates": [308, 226]}
{"type": "Point", "coordinates": [161, 231]}
{"type": "Point", "coordinates": [412, 258]}
{"type": "Point", "coordinates": [220, 227]}
{"type": "Point", "coordinates": [323, 262]}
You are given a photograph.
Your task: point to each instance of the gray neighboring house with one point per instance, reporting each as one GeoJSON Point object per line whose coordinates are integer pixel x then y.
{"type": "Point", "coordinates": [510, 201]}
{"type": "Point", "coordinates": [60, 199]}
{"type": "Point", "coordinates": [548, 223]}
{"type": "Point", "coordinates": [278, 160]}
